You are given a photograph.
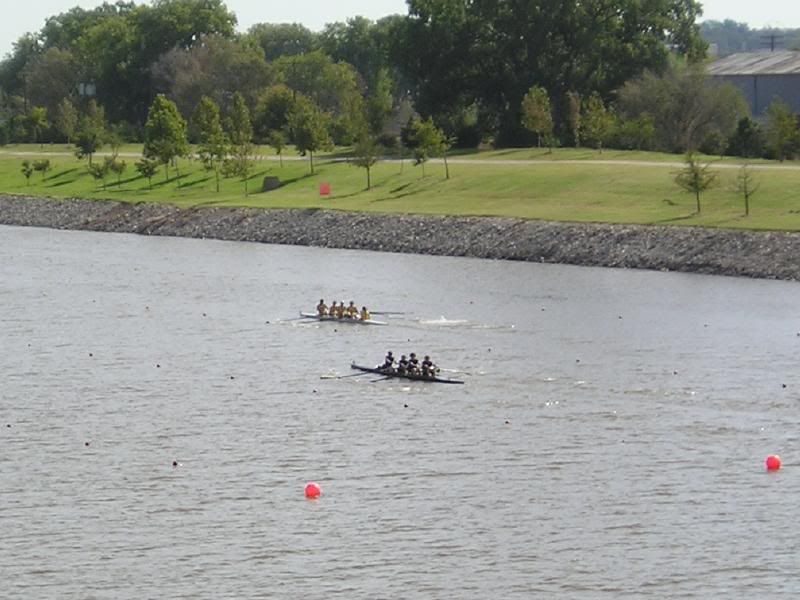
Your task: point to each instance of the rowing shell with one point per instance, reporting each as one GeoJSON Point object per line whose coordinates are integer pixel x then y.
{"type": "Point", "coordinates": [405, 376]}
{"type": "Point", "coordinates": [316, 317]}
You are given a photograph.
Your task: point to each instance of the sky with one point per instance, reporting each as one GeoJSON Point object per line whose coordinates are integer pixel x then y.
{"type": "Point", "coordinates": [315, 13]}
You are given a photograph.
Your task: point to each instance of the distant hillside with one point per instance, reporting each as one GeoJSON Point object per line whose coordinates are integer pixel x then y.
{"type": "Point", "coordinates": [731, 37]}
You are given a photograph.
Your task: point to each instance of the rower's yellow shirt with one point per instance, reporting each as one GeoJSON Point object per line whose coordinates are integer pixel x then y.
{"type": "Point", "coordinates": [322, 308]}
{"type": "Point", "coordinates": [365, 316]}
{"type": "Point", "coordinates": [352, 311]}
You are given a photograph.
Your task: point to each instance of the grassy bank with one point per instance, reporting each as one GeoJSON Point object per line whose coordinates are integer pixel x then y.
{"type": "Point", "coordinates": [565, 186]}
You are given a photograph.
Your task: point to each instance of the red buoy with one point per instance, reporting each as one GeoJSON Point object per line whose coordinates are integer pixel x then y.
{"type": "Point", "coordinates": [773, 462]}
{"type": "Point", "coordinates": [313, 491]}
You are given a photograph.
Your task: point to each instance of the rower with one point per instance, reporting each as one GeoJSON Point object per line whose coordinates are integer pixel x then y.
{"type": "Point", "coordinates": [352, 311]}
{"type": "Point", "coordinates": [340, 310]}
{"type": "Point", "coordinates": [428, 368]}
{"type": "Point", "coordinates": [388, 362]}
{"type": "Point", "coordinates": [322, 308]}
{"type": "Point", "coordinates": [413, 363]}
{"type": "Point", "coordinates": [333, 309]}
{"type": "Point", "coordinates": [365, 316]}
{"type": "Point", "coordinates": [402, 365]}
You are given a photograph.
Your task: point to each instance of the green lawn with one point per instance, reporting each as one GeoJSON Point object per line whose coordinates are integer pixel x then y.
{"type": "Point", "coordinates": [551, 189]}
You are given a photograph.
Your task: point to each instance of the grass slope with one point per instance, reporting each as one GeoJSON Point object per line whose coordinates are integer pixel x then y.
{"type": "Point", "coordinates": [564, 186]}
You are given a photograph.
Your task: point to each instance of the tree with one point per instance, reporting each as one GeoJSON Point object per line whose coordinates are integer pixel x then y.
{"type": "Point", "coordinates": [277, 140]}
{"type": "Point", "coordinates": [66, 119]}
{"type": "Point", "coordinates": [685, 105]}
{"type": "Point", "coordinates": [309, 129]}
{"type": "Point", "coordinates": [215, 67]}
{"type": "Point", "coordinates": [366, 154]}
{"type": "Point", "coordinates": [165, 133]}
{"type": "Point", "coordinates": [637, 133]}
{"type": "Point", "coordinates": [282, 39]}
{"type": "Point", "coordinates": [574, 117]}
{"type": "Point", "coordinates": [118, 49]}
{"type": "Point", "coordinates": [333, 87]}
{"type": "Point", "coordinates": [91, 133]}
{"type": "Point", "coordinates": [240, 133]}
{"type": "Point", "coordinates": [455, 53]}
{"type": "Point", "coordinates": [42, 166]}
{"type": "Point", "coordinates": [537, 115]}
{"type": "Point", "coordinates": [747, 185]}
{"type": "Point", "coordinates": [50, 77]}
{"type": "Point", "coordinates": [747, 141]}
{"type": "Point", "coordinates": [213, 143]}
{"type": "Point", "coordinates": [428, 141]}
{"type": "Point", "coordinates": [27, 170]}
{"type": "Point", "coordinates": [99, 171]}
{"type": "Point", "coordinates": [357, 42]}
{"type": "Point", "coordinates": [147, 167]}
{"type": "Point", "coordinates": [379, 102]}
{"type": "Point", "coordinates": [37, 121]}
{"type": "Point", "coordinates": [696, 178]}
{"type": "Point", "coordinates": [782, 132]}
{"type": "Point", "coordinates": [597, 122]}
{"type": "Point", "coordinates": [116, 166]}
{"type": "Point", "coordinates": [272, 110]}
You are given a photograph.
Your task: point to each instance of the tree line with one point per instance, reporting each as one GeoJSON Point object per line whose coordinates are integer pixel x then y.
{"type": "Point", "coordinates": [600, 73]}
{"type": "Point", "coordinates": [730, 37]}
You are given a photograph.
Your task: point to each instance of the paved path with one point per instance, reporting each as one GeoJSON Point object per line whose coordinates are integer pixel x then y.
{"type": "Point", "coordinates": [474, 161]}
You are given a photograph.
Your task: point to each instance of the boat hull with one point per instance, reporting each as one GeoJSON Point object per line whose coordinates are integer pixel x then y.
{"type": "Point", "coordinates": [406, 376]}
{"type": "Point", "coordinates": [316, 317]}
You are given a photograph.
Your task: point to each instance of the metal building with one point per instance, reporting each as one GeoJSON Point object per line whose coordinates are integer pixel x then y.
{"type": "Point", "coordinates": [762, 77]}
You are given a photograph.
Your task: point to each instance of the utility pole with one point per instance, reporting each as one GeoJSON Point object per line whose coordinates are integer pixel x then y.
{"type": "Point", "coordinates": [771, 40]}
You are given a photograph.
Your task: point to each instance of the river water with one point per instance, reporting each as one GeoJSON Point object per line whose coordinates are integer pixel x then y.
{"type": "Point", "coordinates": [609, 440]}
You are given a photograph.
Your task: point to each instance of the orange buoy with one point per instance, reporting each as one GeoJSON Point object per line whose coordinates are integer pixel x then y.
{"type": "Point", "coordinates": [773, 462]}
{"type": "Point", "coordinates": [313, 491]}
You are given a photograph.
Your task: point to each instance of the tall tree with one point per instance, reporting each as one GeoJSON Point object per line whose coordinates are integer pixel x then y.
{"type": "Point", "coordinates": [37, 122]}
{"type": "Point", "coordinates": [597, 122]}
{"type": "Point", "coordinates": [573, 117]}
{"type": "Point", "coordinates": [379, 102]}
{"type": "Point", "coordinates": [686, 107]}
{"type": "Point", "coordinates": [92, 131]}
{"type": "Point", "coordinates": [66, 119]}
{"type": "Point", "coordinates": [213, 143]}
{"type": "Point", "coordinates": [357, 42]}
{"type": "Point", "coordinates": [334, 87]}
{"type": "Point", "coordinates": [783, 137]}
{"type": "Point", "coordinates": [240, 133]}
{"type": "Point", "coordinates": [272, 110]}
{"type": "Point", "coordinates": [282, 39]}
{"type": "Point", "coordinates": [309, 129]}
{"type": "Point", "coordinates": [537, 115]}
{"type": "Point", "coordinates": [165, 133]}
{"type": "Point", "coordinates": [215, 67]}
{"type": "Point", "coordinates": [50, 77]}
{"type": "Point", "coordinates": [457, 53]}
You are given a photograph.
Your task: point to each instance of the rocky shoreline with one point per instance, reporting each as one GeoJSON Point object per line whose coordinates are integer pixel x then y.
{"type": "Point", "coordinates": [769, 255]}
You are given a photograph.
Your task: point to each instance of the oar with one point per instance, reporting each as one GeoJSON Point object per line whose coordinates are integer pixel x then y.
{"type": "Point", "coordinates": [332, 376]}
{"type": "Point", "coordinates": [386, 312]}
{"type": "Point", "coordinates": [379, 379]}
{"type": "Point", "coordinates": [454, 371]}
{"type": "Point", "coordinates": [295, 319]}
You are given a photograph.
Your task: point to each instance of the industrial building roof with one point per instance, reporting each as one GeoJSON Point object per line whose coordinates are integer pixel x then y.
{"type": "Point", "coordinates": [783, 62]}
